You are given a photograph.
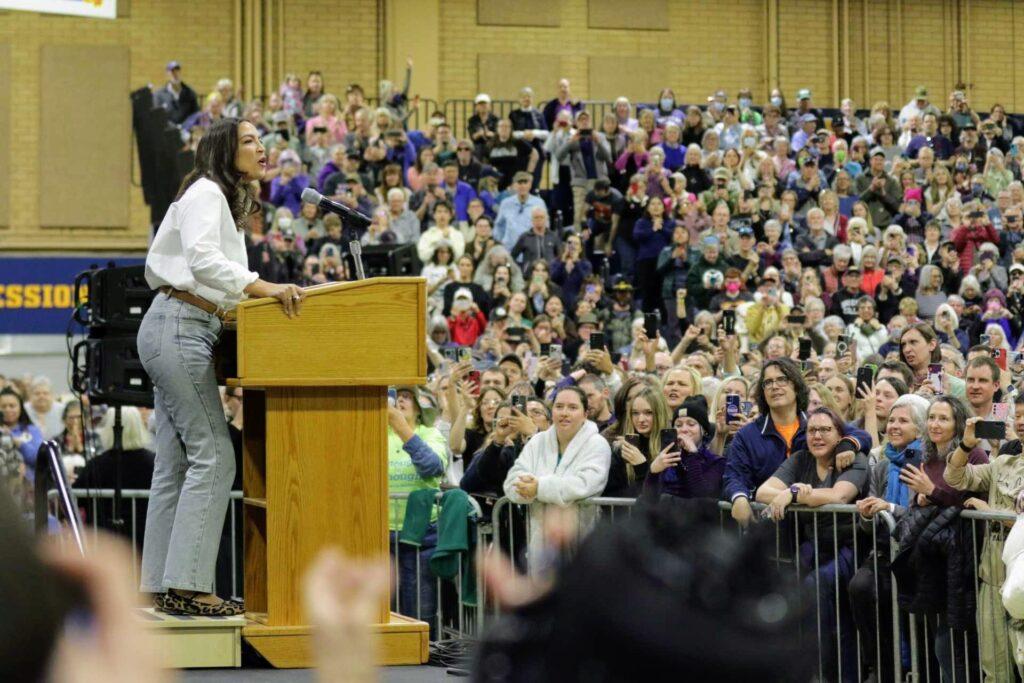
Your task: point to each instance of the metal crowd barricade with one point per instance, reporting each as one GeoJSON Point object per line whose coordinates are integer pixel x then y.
{"type": "Point", "coordinates": [97, 504]}
{"type": "Point", "coordinates": [453, 617]}
{"type": "Point", "coordinates": [508, 528]}
{"type": "Point", "coordinates": [912, 656]}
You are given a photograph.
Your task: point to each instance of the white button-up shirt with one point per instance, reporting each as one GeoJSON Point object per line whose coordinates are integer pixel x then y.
{"type": "Point", "coordinates": [199, 249]}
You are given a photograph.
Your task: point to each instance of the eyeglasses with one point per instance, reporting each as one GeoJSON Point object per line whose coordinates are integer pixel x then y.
{"type": "Point", "coordinates": [820, 431]}
{"type": "Point", "coordinates": [776, 382]}
{"type": "Point", "coordinates": [492, 402]}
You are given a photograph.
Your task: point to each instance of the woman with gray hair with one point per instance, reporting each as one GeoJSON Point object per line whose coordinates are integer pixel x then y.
{"type": "Point", "coordinates": [887, 492]}
{"type": "Point", "coordinates": [929, 292]}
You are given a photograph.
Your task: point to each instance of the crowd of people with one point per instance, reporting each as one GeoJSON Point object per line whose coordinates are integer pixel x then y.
{"type": "Point", "coordinates": [758, 304]}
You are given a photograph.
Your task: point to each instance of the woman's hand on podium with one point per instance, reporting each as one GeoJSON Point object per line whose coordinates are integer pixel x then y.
{"type": "Point", "coordinates": [290, 296]}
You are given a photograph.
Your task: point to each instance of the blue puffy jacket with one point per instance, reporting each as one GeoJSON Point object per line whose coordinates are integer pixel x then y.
{"type": "Point", "coordinates": [758, 449]}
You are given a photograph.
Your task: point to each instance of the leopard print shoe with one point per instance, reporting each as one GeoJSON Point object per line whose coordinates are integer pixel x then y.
{"type": "Point", "coordinates": [175, 603]}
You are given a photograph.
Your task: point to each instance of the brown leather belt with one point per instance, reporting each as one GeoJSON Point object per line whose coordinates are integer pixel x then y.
{"type": "Point", "coordinates": [199, 302]}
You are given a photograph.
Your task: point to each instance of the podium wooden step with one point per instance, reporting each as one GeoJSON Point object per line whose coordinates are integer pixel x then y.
{"type": "Point", "coordinates": [186, 642]}
{"type": "Point", "coordinates": [401, 641]}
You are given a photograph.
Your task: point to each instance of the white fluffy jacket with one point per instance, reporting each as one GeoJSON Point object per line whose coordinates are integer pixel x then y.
{"type": "Point", "coordinates": [581, 473]}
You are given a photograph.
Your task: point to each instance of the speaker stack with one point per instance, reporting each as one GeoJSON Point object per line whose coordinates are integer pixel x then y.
{"type": "Point", "coordinates": [106, 363]}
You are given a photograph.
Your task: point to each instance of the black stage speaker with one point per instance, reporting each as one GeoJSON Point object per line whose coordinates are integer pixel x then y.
{"type": "Point", "coordinates": [106, 364]}
{"type": "Point", "coordinates": [118, 298]}
{"type": "Point", "coordinates": [114, 373]}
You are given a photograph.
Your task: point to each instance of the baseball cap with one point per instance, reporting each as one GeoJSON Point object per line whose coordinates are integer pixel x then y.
{"type": "Point", "coordinates": [853, 268]}
{"type": "Point", "coordinates": [280, 117]}
{"type": "Point", "coordinates": [587, 319]}
{"type": "Point", "coordinates": [877, 151]}
{"type": "Point", "coordinates": [721, 174]}
{"type": "Point", "coordinates": [1017, 267]}
{"type": "Point", "coordinates": [808, 118]}
{"type": "Point", "coordinates": [711, 241]}
{"type": "Point", "coordinates": [920, 92]}
{"type": "Point", "coordinates": [913, 194]}
{"type": "Point", "coordinates": [522, 175]}
{"type": "Point", "coordinates": [803, 94]}
{"type": "Point", "coordinates": [463, 293]}
{"type": "Point", "coordinates": [745, 231]}
{"type": "Point", "coordinates": [173, 64]}
{"type": "Point", "coordinates": [621, 284]}
{"type": "Point", "coordinates": [289, 156]}
{"type": "Point", "coordinates": [482, 97]}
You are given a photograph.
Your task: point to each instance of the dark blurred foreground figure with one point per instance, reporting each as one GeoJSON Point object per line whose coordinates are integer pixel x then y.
{"type": "Point", "coordinates": [665, 591]}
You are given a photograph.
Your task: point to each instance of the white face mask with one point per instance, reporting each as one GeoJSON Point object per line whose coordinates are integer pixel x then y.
{"type": "Point", "coordinates": [284, 222]}
{"type": "Point", "coordinates": [777, 101]}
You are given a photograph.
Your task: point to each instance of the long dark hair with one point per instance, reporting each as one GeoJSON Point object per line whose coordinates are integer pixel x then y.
{"type": "Point", "coordinates": [215, 159]}
{"type": "Point", "coordinates": [23, 419]}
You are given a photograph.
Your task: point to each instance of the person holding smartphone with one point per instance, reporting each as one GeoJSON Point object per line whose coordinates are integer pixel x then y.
{"type": "Point", "coordinates": [688, 468]}
{"type": "Point", "coordinates": [198, 263]}
{"type": "Point", "coordinates": [998, 483]}
{"type": "Point", "coordinates": [646, 416]}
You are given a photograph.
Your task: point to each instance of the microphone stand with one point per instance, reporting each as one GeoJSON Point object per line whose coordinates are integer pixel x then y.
{"type": "Point", "coordinates": [356, 250]}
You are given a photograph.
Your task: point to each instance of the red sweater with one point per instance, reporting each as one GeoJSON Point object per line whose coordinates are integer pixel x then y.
{"type": "Point", "coordinates": [466, 328]}
{"type": "Point", "coordinates": [967, 241]}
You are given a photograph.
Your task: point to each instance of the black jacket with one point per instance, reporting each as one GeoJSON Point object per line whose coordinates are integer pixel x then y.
{"type": "Point", "coordinates": [934, 570]}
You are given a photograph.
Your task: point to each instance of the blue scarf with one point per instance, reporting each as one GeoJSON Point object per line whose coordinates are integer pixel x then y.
{"type": "Point", "coordinates": [895, 490]}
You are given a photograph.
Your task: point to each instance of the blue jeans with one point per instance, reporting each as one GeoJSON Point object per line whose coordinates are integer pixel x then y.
{"type": "Point", "coordinates": [422, 603]}
{"type": "Point", "coordinates": [195, 461]}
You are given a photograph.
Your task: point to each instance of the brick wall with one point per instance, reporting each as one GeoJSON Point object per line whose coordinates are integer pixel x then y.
{"type": "Point", "coordinates": [199, 34]}
{"type": "Point", "coordinates": [708, 44]}
{"type": "Point", "coordinates": [336, 37]}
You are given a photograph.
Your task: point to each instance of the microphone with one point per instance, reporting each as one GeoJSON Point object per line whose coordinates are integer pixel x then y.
{"type": "Point", "coordinates": [311, 196]}
{"type": "Point", "coordinates": [356, 249]}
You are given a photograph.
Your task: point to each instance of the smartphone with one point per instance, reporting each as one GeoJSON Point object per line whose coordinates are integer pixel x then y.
{"type": "Point", "coordinates": [999, 356]}
{"type": "Point", "coordinates": [865, 376]}
{"type": "Point", "coordinates": [556, 351]}
{"type": "Point", "coordinates": [729, 321]}
{"type": "Point", "coordinates": [474, 379]}
{"type": "Point", "coordinates": [732, 407]}
{"type": "Point", "coordinates": [935, 376]}
{"type": "Point", "coordinates": [796, 318]}
{"type": "Point", "coordinates": [634, 439]}
{"type": "Point", "coordinates": [805, 348]}
{"type": "Point", "coordinates": [465, 353]}
{"type": "Point", "coordinates": [984, 339]}
{"type": "Point", "coordinates": [842, 346]}
{"type": "Point", "coordinates": [597, 341]}
{"type": "Point", "coordinates": [990, 429]}
{"type": "Point", "coordinates": [392, 396]}
{"type": "Point", "coordinates": [451, 354]}
{"type": "Point", "coordinates": [545, 349]}
{"type": "Point", "coordinates": [651, 324]}
{"type": "Point", "coordinates": [519, 403]}
{"type": "Point", "coordinates": [668, 438]}
{"type": "Point", "coordinates": [516, 332]}
{"type": "Point", "coordinates": [747, 408]}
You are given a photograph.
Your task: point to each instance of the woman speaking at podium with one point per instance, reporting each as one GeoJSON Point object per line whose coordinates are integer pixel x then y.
{"type": "Point", "coordinates": [198, 263]}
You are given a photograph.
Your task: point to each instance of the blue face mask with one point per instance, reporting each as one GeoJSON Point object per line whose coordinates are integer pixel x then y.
{"type": "Point", "coordinates": [717, 106]}
{"type": "Point", "coordinates": [777, 101]}
{"type": "Point", "coordinates": [667, 103]}
{"type": "Point", "coordinates": [745, 103]}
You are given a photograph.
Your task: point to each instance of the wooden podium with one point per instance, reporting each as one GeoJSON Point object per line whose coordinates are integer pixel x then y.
{"type": "Point", "coordinates": [315, 440]}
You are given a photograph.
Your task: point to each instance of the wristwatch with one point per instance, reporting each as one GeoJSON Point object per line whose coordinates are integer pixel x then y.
{"type": "Point", "coordinates": [795, 490]}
